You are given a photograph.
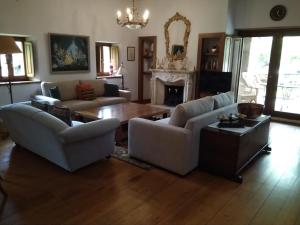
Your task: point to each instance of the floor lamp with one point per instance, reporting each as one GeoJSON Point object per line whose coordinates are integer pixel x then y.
{"type": "Point", "coordinates": [122, 71]}
{"type": "Point", "coordinates": [8, 47]}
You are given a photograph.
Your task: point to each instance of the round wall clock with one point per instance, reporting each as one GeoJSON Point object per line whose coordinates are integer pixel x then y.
{"type": "Point", "coordinates": [278, 12]}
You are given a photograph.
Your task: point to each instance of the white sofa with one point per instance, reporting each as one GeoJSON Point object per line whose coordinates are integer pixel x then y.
{"type": "Point", "coordinates": [173, 143]}
{"type": "Point", "coordinates": [69, 99]}
{"type": "Point", "coordinates": [68, 147]}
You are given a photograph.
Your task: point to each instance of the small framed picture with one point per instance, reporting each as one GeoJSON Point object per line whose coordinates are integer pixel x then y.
{"type": "Point", "coordinates": [130, 53]}
{"type": "Point", "coordinates": [177, 49]}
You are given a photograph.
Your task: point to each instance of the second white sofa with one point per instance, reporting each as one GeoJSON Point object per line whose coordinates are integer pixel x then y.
{"type": "Point", "coordinates": [173, 143]}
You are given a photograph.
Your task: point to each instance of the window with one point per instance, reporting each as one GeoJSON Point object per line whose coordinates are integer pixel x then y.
{"type": "Point", "coordinates": [107, 58]}
{"type": "Point", "coordinates": [22, 63]}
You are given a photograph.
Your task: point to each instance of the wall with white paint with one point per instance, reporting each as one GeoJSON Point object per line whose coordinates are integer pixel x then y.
{"type": "Point", "coordinates": [93, 18]}
{"type": "Point", "coordinates": [206, 16]}
{"type": "Point", "coordinates": [256, 13]}
{"type": "Point", "coordinates": [96, 19]}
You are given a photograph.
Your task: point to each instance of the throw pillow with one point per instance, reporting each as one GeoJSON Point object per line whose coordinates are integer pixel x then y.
{"type": "Point", "coordinates": [62, 113]}
{"type": "Point", "coordinates": [223, 99]}
{"type": "Point", "coordinates": [85, 92]}
{"type": "Point", "coordinates": [42, 105]}
{"type": "Point", "coordinates": [111, 90]}
{"type": "Point", "coordinates": [54, 92]}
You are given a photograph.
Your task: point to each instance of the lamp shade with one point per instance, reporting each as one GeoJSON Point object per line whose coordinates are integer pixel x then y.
{"type": "Point", "coordinates": [122, 70]}
{"type": "Point", "coordinates": [8, 45]}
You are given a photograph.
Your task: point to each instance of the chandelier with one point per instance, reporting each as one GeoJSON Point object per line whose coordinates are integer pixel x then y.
{"type": "Point", "coordinates": [132, 20]}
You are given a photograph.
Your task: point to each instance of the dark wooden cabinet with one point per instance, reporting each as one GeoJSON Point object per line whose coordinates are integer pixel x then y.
{"type": "Point", "coordinates": [147, 61]}
{"type": "Point", "coordinates": [210, 57]}
{"type": "Point", "coordinates": [211, 51]}
{"type": "Point", "coordinates": [227, 152]}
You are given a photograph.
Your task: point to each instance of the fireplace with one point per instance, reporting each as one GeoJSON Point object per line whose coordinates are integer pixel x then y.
{"type": "Point", "coordinates": [172, 78]}
{"type": "Point", "coordinates": [173, 95]}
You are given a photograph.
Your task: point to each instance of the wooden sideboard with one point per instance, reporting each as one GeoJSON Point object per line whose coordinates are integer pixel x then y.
{"type": "Point", "coordinates": [227, 151]}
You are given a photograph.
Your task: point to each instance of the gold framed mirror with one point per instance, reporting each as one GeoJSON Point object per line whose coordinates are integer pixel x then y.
{"type": "Point", "coordinates": [177, 32]}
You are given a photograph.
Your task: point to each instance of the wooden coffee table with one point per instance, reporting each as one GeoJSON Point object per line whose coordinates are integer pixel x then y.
{"type": "Point", "coordinates": [123, 111]}
{"type": "Point", "coordinates": [227, 151]}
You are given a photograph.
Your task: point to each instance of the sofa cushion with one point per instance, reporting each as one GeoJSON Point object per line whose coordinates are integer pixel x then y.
{"type": "Point", "coordinates": [185, 111]}
{"type": "Point", "coordinates": [54, 92]}
{"type": "Point", "coordinates": [223, 99]}
{"type": "Point", "coordinates": [62, 113]}
{"type": "Point", "coordinates": [42, 105]}
{"type": "Point", "coordinates": [101, 101]}
{"type": "Point", "coordinates": [67, 89]}
{"type": "Point", "coordinates": [85, 92]}
{"type": "Point", "coordinates": [111, 90]}
{"type": "Point", "coordinates": [97, 85]}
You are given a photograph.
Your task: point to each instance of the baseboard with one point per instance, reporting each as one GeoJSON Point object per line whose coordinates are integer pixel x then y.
{"type": "Point", "coordinates": [283, 120]}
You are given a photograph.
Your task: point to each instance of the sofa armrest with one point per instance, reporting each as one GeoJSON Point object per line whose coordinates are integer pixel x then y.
{"type": "Point", "coordinates": [161, 144]}
{"type": "Point", "coordinates": [88, 130]}
{"type": "Point", "coordinates": [161, 132]}
{"type": "Point", "coordinates": [126, 94]}
{"type": "Point", "coordinates": [48, 100]}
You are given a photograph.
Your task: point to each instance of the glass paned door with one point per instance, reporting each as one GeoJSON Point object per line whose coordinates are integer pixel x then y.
{"type": "Point", "coordinates": [288, 86]}
{"type": "Point", "coordinates": [255, 61]}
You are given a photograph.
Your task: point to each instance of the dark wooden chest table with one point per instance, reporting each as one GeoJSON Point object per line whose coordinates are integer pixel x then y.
{"type": "Point", "coordinates": [227, 151]}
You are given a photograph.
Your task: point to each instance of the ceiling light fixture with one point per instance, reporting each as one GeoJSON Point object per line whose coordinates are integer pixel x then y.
{"type": "Point", "coordinates": [132, 20]}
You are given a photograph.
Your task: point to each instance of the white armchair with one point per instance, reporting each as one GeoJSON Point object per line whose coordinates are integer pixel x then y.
{"type": "Point", "coordinates": [68, 147]}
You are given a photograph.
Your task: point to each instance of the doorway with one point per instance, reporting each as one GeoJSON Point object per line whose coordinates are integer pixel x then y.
{"type": "Point", "coordinates": [255, 62]}
{"type": "Point", "coordinates": [269, 71]}
{"type": "Point", "coordinates": [288, 85]}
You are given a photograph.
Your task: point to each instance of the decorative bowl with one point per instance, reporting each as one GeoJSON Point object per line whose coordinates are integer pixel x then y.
{"type": "Point", "coordinates": [251, 110]}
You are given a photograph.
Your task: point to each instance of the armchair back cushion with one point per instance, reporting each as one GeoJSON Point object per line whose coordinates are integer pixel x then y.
{"type": "Point", "coordinates": [185, 111]}
{"type": "Point", "coordinates": [223, 99]}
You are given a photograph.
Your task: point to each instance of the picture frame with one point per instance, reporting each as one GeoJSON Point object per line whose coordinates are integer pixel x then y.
{"type": "Point", "coordinates": [130, 53]}
{"type": "Point", "coordinates": [69, 53]}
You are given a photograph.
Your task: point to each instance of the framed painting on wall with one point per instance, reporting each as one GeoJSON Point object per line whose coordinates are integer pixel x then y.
{"type": "Point", "coordinates": [69, 53]}
{"type": "Point", "coordinates": [130, 53]}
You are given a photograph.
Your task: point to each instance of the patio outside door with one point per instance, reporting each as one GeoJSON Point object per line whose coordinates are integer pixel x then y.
{"type": "Point", "coordinates": [255, 61]}
{"type": "Point", "coordinates": [288, 85]}
{"type": "Point", "coordinates": [269, 71]}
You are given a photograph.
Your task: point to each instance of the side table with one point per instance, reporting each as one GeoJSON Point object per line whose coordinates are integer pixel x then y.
{"type": "Point", "coordinates": [227, 151]}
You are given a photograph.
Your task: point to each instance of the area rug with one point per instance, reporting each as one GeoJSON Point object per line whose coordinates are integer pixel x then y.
{"type": "Point", "coordinates": [121, 153]}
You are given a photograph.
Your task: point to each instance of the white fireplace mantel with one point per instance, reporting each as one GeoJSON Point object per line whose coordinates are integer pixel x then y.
{"type": "Point", "coordinates": [169, 77]}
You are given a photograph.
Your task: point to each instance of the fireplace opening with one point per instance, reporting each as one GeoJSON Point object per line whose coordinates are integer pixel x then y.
{"type": "Point", "coordinates": [173, 95]}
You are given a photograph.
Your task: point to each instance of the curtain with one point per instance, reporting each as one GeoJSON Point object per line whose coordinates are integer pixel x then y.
{"type": "Point", "coordinates": [115, 57]}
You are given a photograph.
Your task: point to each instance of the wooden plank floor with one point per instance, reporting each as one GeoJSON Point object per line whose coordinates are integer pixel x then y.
{"type": "Point", "coordinates": [114, 192]}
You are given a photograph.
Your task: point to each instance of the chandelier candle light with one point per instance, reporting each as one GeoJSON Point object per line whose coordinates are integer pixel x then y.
{"type": "Point", "coordinates": [132, 20]}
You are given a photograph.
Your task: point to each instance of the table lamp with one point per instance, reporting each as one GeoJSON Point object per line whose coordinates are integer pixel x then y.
{"type": "Point", "coordinates": [8, 47]}
{"type": "Point", "coordinates": [122, 71]}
